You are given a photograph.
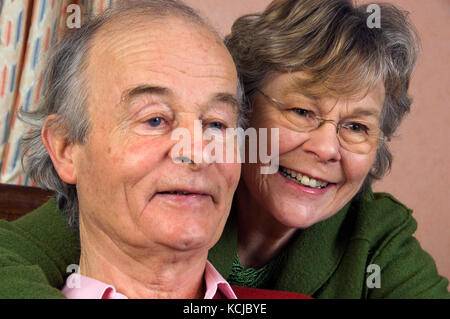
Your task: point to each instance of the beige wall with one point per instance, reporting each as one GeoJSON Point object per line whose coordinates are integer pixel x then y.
{"type": "Point", "coordinates": [420, 177]}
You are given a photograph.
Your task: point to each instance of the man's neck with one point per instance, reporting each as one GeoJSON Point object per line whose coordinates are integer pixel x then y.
{"type": "Point", "coordinates": [138, 273]}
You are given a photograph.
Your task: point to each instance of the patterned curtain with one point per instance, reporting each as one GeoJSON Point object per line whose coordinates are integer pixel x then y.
{"type": "Point", "coordinates": [28, 30]}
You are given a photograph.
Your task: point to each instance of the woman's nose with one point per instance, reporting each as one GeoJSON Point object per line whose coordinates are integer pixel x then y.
{"type": "Point", "coordinates": [323, 142]}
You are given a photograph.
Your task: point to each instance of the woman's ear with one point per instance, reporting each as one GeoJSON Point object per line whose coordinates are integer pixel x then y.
{"type": "Point", "coordinates": [60, 150]}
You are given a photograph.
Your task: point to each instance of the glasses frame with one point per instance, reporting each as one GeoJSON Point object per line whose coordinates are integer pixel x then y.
{"type": "Point", "coordinates": [381, 138]}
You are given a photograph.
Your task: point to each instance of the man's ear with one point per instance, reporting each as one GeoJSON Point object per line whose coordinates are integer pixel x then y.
{"type": "Point", "coordinates": [60, 150]}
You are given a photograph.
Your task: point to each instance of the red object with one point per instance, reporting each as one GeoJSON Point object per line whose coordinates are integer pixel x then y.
{"type": "Point", "coordinates": [256, 293]}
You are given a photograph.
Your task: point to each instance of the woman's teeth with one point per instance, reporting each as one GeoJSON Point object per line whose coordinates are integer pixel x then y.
{"type": "Point", "coordinates": [302, 179]}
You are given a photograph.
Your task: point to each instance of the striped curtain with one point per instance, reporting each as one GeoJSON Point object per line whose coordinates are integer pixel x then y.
{"type": "Point", "coordinates": [28, 30]}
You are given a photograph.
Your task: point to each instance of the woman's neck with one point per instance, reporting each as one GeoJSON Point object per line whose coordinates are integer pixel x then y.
{"type": "Point", "coordinates": [260, 236]}
{"type": "Point", "coordinates": [150, 274]}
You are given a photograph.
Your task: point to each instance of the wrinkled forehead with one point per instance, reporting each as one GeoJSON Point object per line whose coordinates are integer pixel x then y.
{"type": "Point", "coordinates": [120, 34]}
{"type": "Point", "coordinates": [171, 53]}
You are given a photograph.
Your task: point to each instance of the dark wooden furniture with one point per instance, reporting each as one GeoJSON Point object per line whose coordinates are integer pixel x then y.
{"type": "Point", "coordinates": [16, 201]}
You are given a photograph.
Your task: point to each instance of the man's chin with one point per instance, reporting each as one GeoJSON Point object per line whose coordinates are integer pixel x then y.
{"type": "Point", "coordinates": [180, 233]}
{"type": "Point", "coordinates": [182, 243]}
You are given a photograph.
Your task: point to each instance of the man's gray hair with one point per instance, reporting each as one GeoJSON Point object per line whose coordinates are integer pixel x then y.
{"type": "Point", "coordinates": [66, 95]}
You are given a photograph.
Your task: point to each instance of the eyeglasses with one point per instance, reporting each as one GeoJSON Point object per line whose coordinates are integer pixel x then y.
{"type": "Point", "coordinates": [355, 136]}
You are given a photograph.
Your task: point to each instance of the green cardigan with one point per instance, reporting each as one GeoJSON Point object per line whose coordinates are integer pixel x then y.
{"type": "Point", "coordinates": [328, 260]}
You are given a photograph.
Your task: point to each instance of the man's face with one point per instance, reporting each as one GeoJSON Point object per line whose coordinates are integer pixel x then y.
{"type": "Point", "coordinates": [143, 83]}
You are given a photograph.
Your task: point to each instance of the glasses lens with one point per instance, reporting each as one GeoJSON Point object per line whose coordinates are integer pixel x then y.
{"type": "Point", "coordinates": [359, 138]}
{"type": "Point", "coordinates": [301, 120]}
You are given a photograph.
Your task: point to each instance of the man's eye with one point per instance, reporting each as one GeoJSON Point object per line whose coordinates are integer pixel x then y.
{"type": "Point", "coordinates": [155, 121]}
{"type": "Point", "coordinates": [216, 125]}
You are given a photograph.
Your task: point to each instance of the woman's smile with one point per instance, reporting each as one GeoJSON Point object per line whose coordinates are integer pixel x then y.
{"type": "Point", "coordinates": [304, 179]}
{"type": "Point", "coordinates": [303, 182]}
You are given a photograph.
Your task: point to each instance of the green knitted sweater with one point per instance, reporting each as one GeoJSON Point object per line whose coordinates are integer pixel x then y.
{"type": "Point", "coordinates": [331, 259]}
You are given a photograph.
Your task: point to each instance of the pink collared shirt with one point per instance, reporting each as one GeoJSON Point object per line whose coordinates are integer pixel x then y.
{"type": "Point", "coordinates": [81, 287]}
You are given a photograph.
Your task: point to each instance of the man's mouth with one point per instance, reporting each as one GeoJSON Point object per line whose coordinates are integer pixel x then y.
{"type": "Point", "coordinates": [303, 179]}
{"type": "Point", "coordinates": [185, 193]}
{"type": "Point", "coordinates": [179, 193]}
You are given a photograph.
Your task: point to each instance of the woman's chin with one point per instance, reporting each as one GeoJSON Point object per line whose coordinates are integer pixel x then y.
{"type": "Point", "coordinates": [294, 207]}
{"type": "Point", "coordinates": [295, 216]}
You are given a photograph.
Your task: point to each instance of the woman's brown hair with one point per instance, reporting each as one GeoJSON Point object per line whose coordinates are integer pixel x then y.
{"type": "Point", "coordinates": [333, 43]}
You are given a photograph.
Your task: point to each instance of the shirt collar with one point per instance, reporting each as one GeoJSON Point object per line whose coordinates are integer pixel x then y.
{"type": "Point", "coordinates": [81, 287]}
{"type": "Point", "coordinates": [215, 284]}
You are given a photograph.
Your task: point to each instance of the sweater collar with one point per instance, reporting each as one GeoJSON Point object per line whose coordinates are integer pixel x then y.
{"type": "Point", "coordinates": [310, 259]}
{"type": "Point", "coordinates": [313, 255]}
{"type": "Point", "coordinates": [221, 255]}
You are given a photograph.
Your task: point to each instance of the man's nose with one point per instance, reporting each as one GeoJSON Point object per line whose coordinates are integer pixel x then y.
{"type": "Point", "coordinates": [190, 145]}
{"type": "Point", "coordinates": [323, 143]}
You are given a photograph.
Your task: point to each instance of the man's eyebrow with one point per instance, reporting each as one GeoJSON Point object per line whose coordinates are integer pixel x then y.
{"type": "Point", "coordinates": [129, 94]}
{"type": "Point", "coordinates": [227, 98]}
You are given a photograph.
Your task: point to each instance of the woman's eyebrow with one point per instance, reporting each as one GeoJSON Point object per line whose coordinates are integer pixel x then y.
{"type": "Point", "coordinates": [368, 112]}
{"type": "Point", "coordinates": [294, 87]}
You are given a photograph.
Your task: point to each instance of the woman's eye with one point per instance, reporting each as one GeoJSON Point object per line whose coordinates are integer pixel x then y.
{"type": "Point", "coordinates": [302, 112]}
{"type": "Point", "coordinates": [356, 127]}
{"type": "Point", "coordinates": [155, 121]}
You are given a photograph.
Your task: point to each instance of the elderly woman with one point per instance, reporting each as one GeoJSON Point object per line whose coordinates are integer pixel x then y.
{"type": "Point", "coordinates": [336, 90]}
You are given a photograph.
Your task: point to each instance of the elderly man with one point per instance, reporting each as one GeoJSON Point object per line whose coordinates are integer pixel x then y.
{"type": "Point", "coordinates": [147, 214]}
{"type": "Point", "coordinates": [119, 86]}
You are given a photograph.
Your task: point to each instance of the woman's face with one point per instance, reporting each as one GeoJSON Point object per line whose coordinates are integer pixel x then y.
{"type": "Point", "coordinates": [318, 154]}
